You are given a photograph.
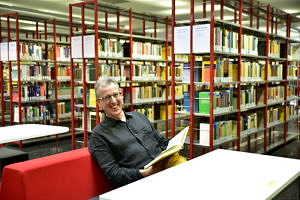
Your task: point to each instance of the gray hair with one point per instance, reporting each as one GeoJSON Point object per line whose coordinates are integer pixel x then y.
{"type": "Point", "coordinates": [104, 82]}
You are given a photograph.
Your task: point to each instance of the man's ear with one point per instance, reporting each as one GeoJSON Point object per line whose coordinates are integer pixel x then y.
{"type": "Point", "coordinates": [99, 104]}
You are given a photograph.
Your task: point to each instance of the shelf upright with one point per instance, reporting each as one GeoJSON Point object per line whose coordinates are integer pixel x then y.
{"type": "Point", "coordinates": [173, 110]}
{"type": "Point", "coordinates": [266, 78]}
{"type": "Point", "coordinates": [287, 43]}
{"type": "Point", "coordinates": [82, 6]}
{"type": "Point", "coordinates": [192, 81]}
{"type": "Point", "coordinates": [211, 78]}
{"type": "Point", "coordinates": [2, 83]}
{"type": "Point", "coordinates": [96, 60]}
{"type": "Point", "coordinates": [240, 31]}
{"type": "Point", "coordinates": [131, 58]}
{"type": "Point", "coordinates": [167, 73]}
{"type": "Point", "coordinates": [55, 69]}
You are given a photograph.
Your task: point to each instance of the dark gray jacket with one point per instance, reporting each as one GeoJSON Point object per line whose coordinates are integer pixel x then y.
{"type": "Point", "coordinates": [122, 148]}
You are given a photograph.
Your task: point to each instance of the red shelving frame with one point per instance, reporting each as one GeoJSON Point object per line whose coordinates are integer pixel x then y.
{"type": "Point", "coordinates": [271, 23]}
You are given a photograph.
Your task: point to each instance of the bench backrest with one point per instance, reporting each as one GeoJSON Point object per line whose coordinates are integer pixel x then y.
{"type": "Point", "coordinates": [69, 175]}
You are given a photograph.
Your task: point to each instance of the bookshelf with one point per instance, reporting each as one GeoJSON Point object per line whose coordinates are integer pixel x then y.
{"type": "Point", "coordinates": [138, 60]}
{"type": "Point", "coordinates": [29, 62]}
{"type": "Point", "coordinates": [241, 82]}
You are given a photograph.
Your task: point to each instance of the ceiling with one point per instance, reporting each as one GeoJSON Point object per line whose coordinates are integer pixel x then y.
{"type": "Point", "coordinates": [161, 8]}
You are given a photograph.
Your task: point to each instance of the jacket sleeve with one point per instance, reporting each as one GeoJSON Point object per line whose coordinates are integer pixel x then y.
{"type": "Point", "coordinates": [105, 159]}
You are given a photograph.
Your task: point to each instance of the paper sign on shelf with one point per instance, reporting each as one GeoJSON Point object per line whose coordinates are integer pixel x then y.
{"type": "Point", "coordinates": [182, 40]}
{"type": "Point", "coordinates": [89, 46]}
{"type": "Point", "coordinates": [76, 47]}
{"type": "Point", "coordinates": [201, 38]}
{"type": "Point", "coordinates": [4, 51]}
{"type": "Point", "coordinates": [12, 51]}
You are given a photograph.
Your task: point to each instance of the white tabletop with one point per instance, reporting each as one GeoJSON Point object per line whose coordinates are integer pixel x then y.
{"type": "Point", "coordinates": [28, 131]}
{"type": "Point", "coordinates": [221, 174]}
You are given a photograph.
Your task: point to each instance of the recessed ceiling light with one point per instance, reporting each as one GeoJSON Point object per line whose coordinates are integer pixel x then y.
{"type": "Point", "coordinates": [298, 16]}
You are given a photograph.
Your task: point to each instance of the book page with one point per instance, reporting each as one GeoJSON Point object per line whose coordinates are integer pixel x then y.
{"type": "Point", "coordinates": [178, 139]}
{"type": "Point", "coordinates": [175, 144]}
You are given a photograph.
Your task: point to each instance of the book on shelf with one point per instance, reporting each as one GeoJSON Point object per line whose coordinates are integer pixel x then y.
{"type": "Point", "coordinates": [174, 146]}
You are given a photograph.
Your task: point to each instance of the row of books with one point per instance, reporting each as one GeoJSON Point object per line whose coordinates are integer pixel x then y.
{"type": "Point", "coordinates": [224, 71]}
{"type": "Point", "coordinates": [275, 93]}
{"type": "Point", "coordinates": [65, 92]}
{"type": "Point", "coordinates": [248, 121]}
{"type": "Point", "coordinates": [62, 53]}
{"type": "Point", "coordinates": [31, 52]}
{"type": "Point", "coordinates": [227, 41]}
{"type": "Point", "coordinates": [144, 50]}
{"type": "Point", "coordinates": [226, 100]}
{"type": "Point", "coordinates": [32, 73]}
{"type": "Point", "coordinates": [222, 130]}
{"type": "Point", "coordinates": [146, 72]}
{"type": "Point", "coordinates": [273, 47]}
{"type": "Point", "coordinates": [121, 48]}
{"type": "Point", "coordinates": [63, 72]}
{"type": "Point", "coordinates": [63, 108]}
{"type": "Point", "coordinates": [149, 92]}
{"type": "Point", "coordinates": [155, 112]}
{"type": "Point", "coordinates": [294, 51]}
{"type": "Point", "coordinates": [227, 71]}
{"type": "Point", "coordinates": [248, 97]}
{"type": "Point", "coordinates": [30, 93]}
{"type": "Point", "coordinates": [33, 113]}
{"type": "Point", "coordinates": [222, 101]}
{"type": "Point", "coordinates": [292, 72]}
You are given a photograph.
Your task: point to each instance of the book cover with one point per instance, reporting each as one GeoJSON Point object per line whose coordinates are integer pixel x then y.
{"type": "Point", "coordinates": [174, 146]}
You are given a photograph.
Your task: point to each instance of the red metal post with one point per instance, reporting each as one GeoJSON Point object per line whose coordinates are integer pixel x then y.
{"type": "Point", "coordinates": [10, 77]}
{"type": "Point", "coordinates": [204, 8]}
{"type": "Point", "coordinates": [55, 72]}
{"type": "Point", "coordinates": [173, 72]}
{"type": "Point", "coordinates": [287, 41]}
{"type": "Point", "coordinates": [192, 84]}
{"type": "Point", "coordinates": [239, 75]}
{"type": "Point", "coordinates": [131, 65]}
{"type": "Point", "coordinates": [72, 81]}
{"type": "Point", "coordinates": [2, 84]}
{"type": "Point", "coordinates": [211, 88]}
{"type": "Point", "coordinates": [118, 21]}
{"type": "Point", "coordinates": [37, 30]}
{"type": "Point", "coordinates": [155, 33]}
{"type": "Point", "coordinates": [251, 16]}
{"type": "Point", "coordinates": [266, 79]}
{"type": "Point", "coordinates": [96, 61]}
{"type": "Point", "coordinates": [84, 85]}
{"type": "Point", "coordinates": [222, 9]}
{"type": "Point", "coordinates": [106, 21]}
{"type": "Point", "coordinates": [144, 27]}
{"type": "Point", "coordinates": [167, 77]}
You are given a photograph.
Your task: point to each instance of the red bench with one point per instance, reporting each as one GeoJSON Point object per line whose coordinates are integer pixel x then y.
{"type": "Point", "coordinates": [69, 175]}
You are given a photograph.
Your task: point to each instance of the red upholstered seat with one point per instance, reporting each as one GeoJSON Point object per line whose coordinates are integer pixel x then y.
{"type": "Point", "coordinates": [69, 175]}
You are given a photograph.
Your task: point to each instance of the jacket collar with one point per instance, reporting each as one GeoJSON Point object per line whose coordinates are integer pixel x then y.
{"type": "Point", "coordinates": [112, 122]}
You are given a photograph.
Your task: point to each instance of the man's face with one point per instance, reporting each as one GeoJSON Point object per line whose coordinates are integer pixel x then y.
{"type": "Point", "coordinates": [111, 101]}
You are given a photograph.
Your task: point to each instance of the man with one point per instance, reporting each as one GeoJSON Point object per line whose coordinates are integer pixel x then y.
{"type": "Point", "coordinates": [123, 143]}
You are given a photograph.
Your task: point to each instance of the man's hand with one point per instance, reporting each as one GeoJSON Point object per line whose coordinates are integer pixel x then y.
{"type": "Point", "coordinates": [157, 167]}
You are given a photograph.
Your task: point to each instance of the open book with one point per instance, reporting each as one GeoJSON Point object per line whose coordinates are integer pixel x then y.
{"type": "Point", "coordinates": [174, 146]}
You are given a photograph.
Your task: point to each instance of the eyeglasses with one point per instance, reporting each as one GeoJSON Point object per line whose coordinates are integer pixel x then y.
{"type": "Point", "coordinates": [109, 97]}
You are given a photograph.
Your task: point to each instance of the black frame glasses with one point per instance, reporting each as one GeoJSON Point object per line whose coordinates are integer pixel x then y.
{"type": "Point", "coordinates": [109, 97]}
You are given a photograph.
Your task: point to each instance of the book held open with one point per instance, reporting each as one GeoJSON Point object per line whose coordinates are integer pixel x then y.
{"type": "Point", "coordinates": [174, 146]}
